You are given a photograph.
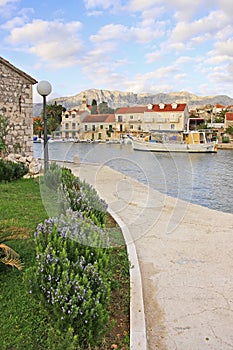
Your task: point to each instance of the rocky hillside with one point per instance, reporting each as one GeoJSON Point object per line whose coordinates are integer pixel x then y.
{"type": "Point", "coordinates": [119, 99]}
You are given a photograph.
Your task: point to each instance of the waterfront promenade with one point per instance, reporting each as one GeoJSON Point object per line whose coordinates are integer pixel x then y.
{"type": "Point", "coordinates": [183, 284]}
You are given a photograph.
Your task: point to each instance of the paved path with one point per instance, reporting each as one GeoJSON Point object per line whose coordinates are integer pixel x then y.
{"type": "Point", "coordinates": [185, 254]}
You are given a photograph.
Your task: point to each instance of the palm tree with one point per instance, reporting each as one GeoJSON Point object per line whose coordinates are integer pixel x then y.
{"type": "Point", "coordinates": [38, 126]}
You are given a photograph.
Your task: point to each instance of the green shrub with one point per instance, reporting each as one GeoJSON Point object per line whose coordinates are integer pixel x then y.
{"type": "Point", "coordinates": [69, 276]}
{"type": "Point", "coordinates": [52, 177]}
{"type": "Point", "coordinates": [68, 191]}
{"type": "Point", "coordinates": [83, 197]}
{"type": "Point", "coordinates": [10, 171]}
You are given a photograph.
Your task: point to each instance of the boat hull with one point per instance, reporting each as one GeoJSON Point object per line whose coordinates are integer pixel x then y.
{"type": "Point", "coordinates": [210, 147]}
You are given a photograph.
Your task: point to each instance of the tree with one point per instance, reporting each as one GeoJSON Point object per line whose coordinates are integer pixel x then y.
{"type": "Point", "coordinates": [105, 109]}
{"type": "Point", "coordinates": [220, 116]}
{"type": "Point", "coordinates": [229, 130]}
{"type": "Point", "coordinates": [38, 126]}
{"type": "Point", "coordinates": [94, 107]}
{"type": "Point", "coordinates": [54, 116]}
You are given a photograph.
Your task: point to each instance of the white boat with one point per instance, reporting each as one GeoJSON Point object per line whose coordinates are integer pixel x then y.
{"type": "Point", "coordinates": [186, 142]}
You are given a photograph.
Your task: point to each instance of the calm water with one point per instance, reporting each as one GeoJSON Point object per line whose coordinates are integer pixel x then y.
{"type": "Point", "coordinates": [204, 179]}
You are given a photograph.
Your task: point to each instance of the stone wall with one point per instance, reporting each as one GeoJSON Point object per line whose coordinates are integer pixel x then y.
{"type": "Point", "coordinates": [16, 105]}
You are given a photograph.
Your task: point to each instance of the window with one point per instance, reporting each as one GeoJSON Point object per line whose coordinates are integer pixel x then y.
{"type": "Point", "coordinates": [73, 115]}
{"type": "Point", "coordinates": [66, 115]}
{"type": "Point", "coordinates": [101, 127]}
{"type": "Point", "coordinates": [85, 127]}
{"type": "Point", "coordinates": [172, 126]}
{"type": "Point", "coordinates": [120, 118]}
{"type": "Point", "coordinates": [73, 125]}
{"type": "Point", "coordinates": [174, 118]}
{"type": "Point", "coordinates": [67, 125]}
{"type": "Point", "coordinates": [131, 126]}
{"type": "Point", "coordinates": [139, 127]}
{"type": "Point", "coordinates": [110, 127]}
{"type": "Point", "coordinates": [93, 127]}
{"type": "Point", "coordinates": [131, 117]}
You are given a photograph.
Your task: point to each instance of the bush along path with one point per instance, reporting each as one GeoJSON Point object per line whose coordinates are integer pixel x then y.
{"type": "Point", "coordinates": [79, 277]}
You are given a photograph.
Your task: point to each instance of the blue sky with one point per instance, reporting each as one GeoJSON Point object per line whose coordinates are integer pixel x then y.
{"type": "Point", "coordinates": [142, 46]}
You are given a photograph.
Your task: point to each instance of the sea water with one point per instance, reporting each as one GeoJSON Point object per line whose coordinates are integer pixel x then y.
{"type": "Point", "coordinates": [204, 179]}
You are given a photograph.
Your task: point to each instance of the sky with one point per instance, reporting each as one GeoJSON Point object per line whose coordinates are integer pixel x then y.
{"type": "Point", "coordinates": [141, 46]}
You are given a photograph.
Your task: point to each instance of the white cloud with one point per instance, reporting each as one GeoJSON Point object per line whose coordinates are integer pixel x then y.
{"type": "Point", "coordinates": [224, 48]}
{"type": "Point", "coordinates": [55, 42]}
{"type": "Point", "coordinates": [44, 30]}
{"type": "Point", "coordinates": [184, 59]}
{"type": "Point", "coordinates": [121, 33]}
{"type": "Point", "coordinates": [139, 5]}
{"type": "Point", "coordinates": [18, 21]}
{"type": "Point", "coordinates": [90, 4]}
{"type": "Point", "coordinates": [6, 2]}
{"type": "Point", "coordinates": [110, 32]}
{"type": "Point", "coordinates": [202, 29]}
{"type": "Point", "coordinates": [101, 54]}
{"type": "Point", "coordinates": [186, 10]}
{"type": "Point", "coordinates": [226, 6]}
{"type": "Point", "coordinates": [153, 56]}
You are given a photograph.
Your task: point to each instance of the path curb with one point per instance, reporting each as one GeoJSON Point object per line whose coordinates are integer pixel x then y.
{"type": "Point", "coordinates": [138, 339]}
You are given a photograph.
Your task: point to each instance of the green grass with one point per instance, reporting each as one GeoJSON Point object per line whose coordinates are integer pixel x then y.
{"type": "Point", "coordinates": [23, 323]}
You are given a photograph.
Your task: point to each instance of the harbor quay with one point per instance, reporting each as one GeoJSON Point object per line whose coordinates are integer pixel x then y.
{"type": "Point", "coordinates": [181, 267]}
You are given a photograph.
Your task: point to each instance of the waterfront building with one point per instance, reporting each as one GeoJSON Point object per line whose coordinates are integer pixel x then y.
{"type": "Point", "coordinates": [71, 123]}
{"type": "Point", "coordinates": [228, 120]}
{"type": "Point", "coordinates": [137, 121]}
{"type": "Point", "coordinates": [167, 117]}
{"type": "Point", "coordinates": [16, 105]}
{"type": "Point", "coordinates": [130, 120]}
{"type": "Point", "coordinates": [98, 127]}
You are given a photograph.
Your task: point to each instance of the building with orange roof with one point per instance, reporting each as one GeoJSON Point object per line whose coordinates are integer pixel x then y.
{"type": "Point", "coordinates": [98, 127]}
{"type": "Point", "coordinates": [228, 120]}
{"type": "Point", "coordinates": [167, 117]}
{"type": "Point", "coordinates": [141, 120]}
{"type": "Point", "coordinates": [129, 120]}
{"type": "Point", "coordinates": [71, 121]}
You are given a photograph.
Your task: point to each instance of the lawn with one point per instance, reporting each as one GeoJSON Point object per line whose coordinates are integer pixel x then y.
{"type": "Point", "coordinates": [23, 322]}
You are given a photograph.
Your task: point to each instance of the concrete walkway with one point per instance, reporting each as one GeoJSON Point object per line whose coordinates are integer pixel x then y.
{"type": "Point", "coordinates": [185, 255]}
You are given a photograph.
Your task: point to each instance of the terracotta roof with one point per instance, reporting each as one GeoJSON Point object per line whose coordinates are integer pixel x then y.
{"type": "Point", "coordinates": [128, 110]}
{"type": "Point", "coordinates": [72, 111]}
{"type": "Point", "coordinates": [99, 118]}
{"type": "Point", "coordinates": [20, 72]}
{"type": "Point", "coordinates": [167, 108]}
{"type": "Point", "coordinates": [229, 116]}
{"type": "Point", "coordinates": [219, 106]}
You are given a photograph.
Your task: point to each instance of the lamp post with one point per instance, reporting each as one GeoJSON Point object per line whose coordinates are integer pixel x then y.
{"type": "Point", "coordinates": [44, 88]}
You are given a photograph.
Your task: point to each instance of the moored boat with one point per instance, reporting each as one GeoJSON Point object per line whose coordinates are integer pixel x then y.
{"type": "Point", "coordinates": [187, 142]}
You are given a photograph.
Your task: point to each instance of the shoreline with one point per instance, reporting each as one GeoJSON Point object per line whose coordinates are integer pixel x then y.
{"type": "Point", "coordinates": [225, 146]}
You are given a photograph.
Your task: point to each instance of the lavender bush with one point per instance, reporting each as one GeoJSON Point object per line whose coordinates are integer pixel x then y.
{"type": "Point", "coordinates": [63, 190]}
{"type": "Point", "coordinates": [80, 196]}
{"type": "Point", "coordinates": [70, 278]}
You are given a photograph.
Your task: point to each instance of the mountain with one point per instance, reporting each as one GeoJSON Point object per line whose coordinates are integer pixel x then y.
{"type": "Point", "coordinates": [117, 99]}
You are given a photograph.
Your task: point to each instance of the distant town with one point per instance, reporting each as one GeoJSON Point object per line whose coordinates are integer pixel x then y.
{"type": "Point", "coordinates": [101, 123]}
